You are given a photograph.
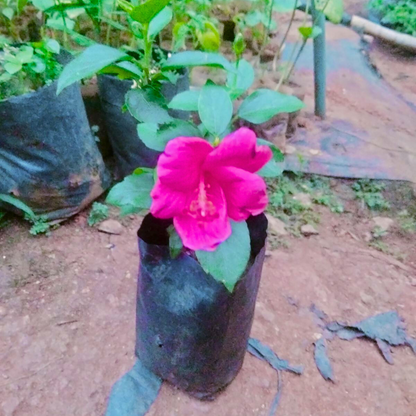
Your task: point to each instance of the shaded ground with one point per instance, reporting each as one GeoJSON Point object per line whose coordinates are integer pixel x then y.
{"type": "Point", "coordinates": [67, 320]}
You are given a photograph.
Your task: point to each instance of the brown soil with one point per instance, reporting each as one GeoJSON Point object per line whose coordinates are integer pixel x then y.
{"type": "Point", "coordinates": [67, 322]}
{"type": "Point", "coordinates": [67, 317]}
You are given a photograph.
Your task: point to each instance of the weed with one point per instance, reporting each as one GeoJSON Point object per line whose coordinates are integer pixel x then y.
{"type": "Point", "coordinates": [40, 225]}
{"type": "Point", "coordinates": [380, 246]}
{"type": "Point", "coordinates": [98, 213]}
{"type": "Point", "coordinates": [378, 232]}
{"type": "Point", "coordinates": [293, 212]}
{"type": "Point", "coordinates": [276, 243]}
{"type": "Point", "coordinates": [370, 193]}
{"type": "Point", "coordinates": [407, 222]}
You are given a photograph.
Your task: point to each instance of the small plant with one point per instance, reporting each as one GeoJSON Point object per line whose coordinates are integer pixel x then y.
{"type": "Point", "coordinates": [40, 223]}
{"type": "Point", "coordinates": [98, 213]}
{"type": "Point", "coordinates": [28, 67]}
{"type": "Point", "coordinates": [370, 193]}
{"type": "Point", "coordinates": [407, 222]}
{"type": "Point", "coordinates": [380, 246]}
{"type": "Point", "coordinates": [378, 232]}
{"type": "Point", "coordinates": [140, 61]}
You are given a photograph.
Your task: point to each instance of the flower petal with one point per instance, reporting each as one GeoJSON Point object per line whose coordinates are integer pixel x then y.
{"type": "Point", "coordinates": [179, 167]}
{"type": "Point", "coordinates": [245, 192]}
{"type": "Point", "coordinates": [205, 233]}
{"type": "Point", "coordinates": [239, 149]}
{"type": "Point", "coordinates": [166, 202]}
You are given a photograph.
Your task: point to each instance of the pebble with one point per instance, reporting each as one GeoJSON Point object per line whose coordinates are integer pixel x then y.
{"type": "Point", "coordinates": [111, 227]}
{"type": "Point", "coordinates": [304, 199]}
{"type": "Point", "coordinates": [3, 311]}
{"type": "Point", "coordinates": [276, 226]}
{"type": "Point", "coordinates": [308, 230]}
{"type": "Point", "coordinates": [383, 223]}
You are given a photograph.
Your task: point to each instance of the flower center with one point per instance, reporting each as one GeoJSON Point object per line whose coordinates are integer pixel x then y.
{"type": "Point", "coordinates": [202, 208]}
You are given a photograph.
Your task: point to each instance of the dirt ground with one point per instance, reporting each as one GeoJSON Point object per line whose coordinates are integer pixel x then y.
{"type": "Point", "coordinates": [67, 314]}
{"type": "Point", "coordinates": [67, 321]}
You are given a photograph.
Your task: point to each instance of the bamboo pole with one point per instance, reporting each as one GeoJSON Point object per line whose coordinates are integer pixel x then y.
{"type": "Point", "coordinates": [319, 62]}
{"type": "Point", "coordinates": [389, 35]}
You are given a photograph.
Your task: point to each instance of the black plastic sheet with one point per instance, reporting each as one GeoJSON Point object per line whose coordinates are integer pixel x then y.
{"type": "Point", "coordinates": [134, 393]}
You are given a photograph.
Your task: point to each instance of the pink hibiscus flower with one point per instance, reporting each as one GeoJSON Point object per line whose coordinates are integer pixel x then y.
{"type": "Point", "coordinates": [201, 187]}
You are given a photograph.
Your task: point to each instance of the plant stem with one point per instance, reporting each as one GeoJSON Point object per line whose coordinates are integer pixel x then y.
{"type": "Point", "coordinates": [267, 31]}
{"type": "Point", "coordinates": [292, 18]}
{"type": "Point", "coordinates": [283, 77]}
{"type": "Point", "coordinates": [107, 35]}
{"type": "Point", "coordinates": [147, 54]}
{"type": "Point", "coordinates": [296, 59]}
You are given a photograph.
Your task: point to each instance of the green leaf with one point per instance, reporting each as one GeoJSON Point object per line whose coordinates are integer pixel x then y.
{"type": "Point", "coordinates": [240, 81]}
{"type": "Point", "coordinates": [43, 4]}
{"type": "Point", "coordinates": [263, 104]}
{"type": "Point", "coordinates": [145, 12]}
{"type": "Point", "coordinates": [80, 39]}
{"type": "Point", "coordinates": [210, 40]}
{"type": "Point", "coordinates": [309, 32]}
{"type": "Point", "coordinates": [160, 21]}
{"type": "Point", "coordinates": [198, 58]}
{"type": "Point", "coordinates": [278, 156]}
{"type": "Point", "coordinates": [147, 106]}
{"type": "Point", "coordinates": [21, 5]}
{"type": "Point", "coordinates": [186, 101]}
{"type": "Point", "coordinates": [58, 23]}
{"type": "Point", "coordinates": [215, 108]}
{"type": "Point", "coordinates": [175, 242]}
{"type": "Point", "coordinates": [133, 194]}
{"type": "Point", "coordinates": [124, 70]}
{"type": "Point", "coordinates": [5, 77]}
{"type": "Point", "coordinates": [229, 261]}
{"type": "Point", "coordinates": [92, 60]}
{"type": "Point", "coordinates": [276, 165]}
{"type": "Point", "coordinates": [253, 18]}
{"type": "Point", "coordinates": [17, 204]}
{"type": "Point", "coordinates": [53, 46]}
{"type": "Point", "coordinates": [333, 9]}
{"type": "Point", "coordinates": [25, 54]}
{"type": "Point", "coordinates": [8, 12]}
{"type": "Point", "coordinates": [12, 68]}
{"type": "Point", "coordinates": [38, 65]}
{"type": "Point", "coordinates": [157, 139]}
{"type": "Point", "coordinates": [284, 6]}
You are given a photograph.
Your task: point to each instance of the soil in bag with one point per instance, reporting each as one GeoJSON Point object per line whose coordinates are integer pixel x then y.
{"type": "Point", "coordinates": [190, 330]}
{"type": "Point", "coordinates": [48, 156]}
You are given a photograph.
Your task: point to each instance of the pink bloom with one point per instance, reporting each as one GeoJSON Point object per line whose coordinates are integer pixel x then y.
{"type": "Point", "coordinates": [201, 186]}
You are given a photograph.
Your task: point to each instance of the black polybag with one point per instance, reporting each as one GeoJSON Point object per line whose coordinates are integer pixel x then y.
{"type": "Point", "coordinates": [129, 151]}
{"type": "Point", "coordinates": [190, 330]}
{"type": "Point", "coordinates": [48, 156]}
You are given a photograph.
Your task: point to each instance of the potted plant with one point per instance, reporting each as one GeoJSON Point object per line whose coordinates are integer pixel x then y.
{"type": "Point", "coordinates": [202, 244]}
{"type": "Point", "coordinates": [48, 157]}
{"type": "Point", "coordinates": [121, 69]}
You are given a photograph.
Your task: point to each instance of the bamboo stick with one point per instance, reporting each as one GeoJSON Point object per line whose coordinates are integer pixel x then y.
{"type": "Point", "coordinates": [389, 35]}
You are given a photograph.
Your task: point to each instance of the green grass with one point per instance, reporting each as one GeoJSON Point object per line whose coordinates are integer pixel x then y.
{"type": "Point", "coordinates": [370, 193]}
{"type": "Point", "coordinates": [293, 212]}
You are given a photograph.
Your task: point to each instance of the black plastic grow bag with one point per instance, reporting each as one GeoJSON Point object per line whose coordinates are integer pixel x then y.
{"type": "Point", "coordinates": [129, 151]}
{"type": "Point", "coordinates": [48, 156]}
{"type": "Point", "coordinates": [190, 330]}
